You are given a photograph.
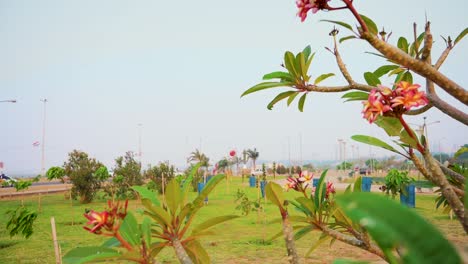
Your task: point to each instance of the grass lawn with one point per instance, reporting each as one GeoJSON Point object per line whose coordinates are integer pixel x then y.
{"type": "Point", "coordinates": [242, 240]}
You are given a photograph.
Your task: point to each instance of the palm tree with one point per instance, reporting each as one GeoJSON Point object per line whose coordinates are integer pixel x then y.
{"type": "Point", "coordinates": [253, 155]}
{"type": "Point", "coordinates": [199, 157]}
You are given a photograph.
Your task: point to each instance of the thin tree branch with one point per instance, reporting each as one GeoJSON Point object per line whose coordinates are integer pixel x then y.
{"type": "Point", "coordinates": [341, 65]}
{"type": "Point", "coordinates": [336, 89]}
{"type": "Point", "coordinates": [422, 68]}
{"type": "Point", "coordinates": [452, 174]}
{"type": "Point", "coordinates": [419, 110]}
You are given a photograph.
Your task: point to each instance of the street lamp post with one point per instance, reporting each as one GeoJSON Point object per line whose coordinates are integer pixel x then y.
{"type": "Point", "coordinates": [43, 138]}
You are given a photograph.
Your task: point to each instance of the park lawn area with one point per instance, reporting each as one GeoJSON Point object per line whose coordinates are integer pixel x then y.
{"type": "Point", "coordinates": [242, 240]}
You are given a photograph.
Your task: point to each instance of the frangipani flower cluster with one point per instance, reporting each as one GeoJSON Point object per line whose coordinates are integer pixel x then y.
{"type": "Point", "coordinates": [305, 6]}
{"type": "Point", "coordinates": [109, 220]}
{"type": "Point", "coordinates": [299, 183]}
{"type": "Point", "coordinates": [388, 102]}
{"type": "Point", "coordinates": [330, 190]}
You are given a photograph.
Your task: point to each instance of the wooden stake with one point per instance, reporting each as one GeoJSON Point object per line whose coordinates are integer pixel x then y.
{"type": "Point", "coordinates": [58, 259]}
{"type": "Point", "coordinates": [40, 208]}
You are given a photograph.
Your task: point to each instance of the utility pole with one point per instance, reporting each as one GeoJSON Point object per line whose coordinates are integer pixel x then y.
{"type": "Point", "coordinates": [43, 138]}
{"type": "Point", "coordinates": [139, 144]}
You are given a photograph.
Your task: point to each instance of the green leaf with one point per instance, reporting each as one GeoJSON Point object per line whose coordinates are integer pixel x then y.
{"type": "Point", "coordinates": [290, 64]}
{"type": "Point", "coordinates": [173, 196]}
{"type": "Point", "coordinates": [198, 202]}
{"type": "Point", "coordinates": [308, 62]}
{"type": "Point", "coordinates": [402, 44]}
{"type": "Point", "coordinates": [292, 97]}
{"type": "Point", "coordinates": [391, 224]}
{"type": "Point", "coordinates": [358, 185]}
{"type": "Point", "coordinates": [396, 71]}
{"type": "Point", "coordinates": [266, 85]}
{"type": "Point", "coordinates": [196, 252]}
{"type": "Point", "coordinates": [346, 38]}
{"type": "Point", "coordinates": [370, 24]}
{"type": "Point", "coordinates": [376, 54]}
{"type": "Point", "coordinates": [459, 152]}
{"type": "Point", "coordinates": [413, 46]}
{"type": "Point", "coordinates": [307, 205]}
{"type": "Point", "coordinates": [280, 97]}
{"type": "Point", "coordinates": [371, 79]}
{"type": "Point", "coordinates": [374, 142]}
{"type": "Point", "coordinates": [274, 193]}
{"type": "Point", "coordinates": [278, 75]}
{"type": "Point", "coordinates": [407, 77]}
{"type": "Point", "coordinates": [146, 231]}
{"type": "Point", "coordinates": [382, 70]}
{"type": "Point", "coordinates": [320, 190]}
{"type": "Point", "coordinates": [111, 242]}
{"type": "Point", "coordinates": [343, 24]}
{"type": "Point", "coordinates": [146, 194]}
{"type": "Point", "coordinates": [405, 138]}
{"type": "Point", "coordinates": [323, 77]}
{"type": "Point", "coordinates": [301, 62]}
{"type": "Point", "coordinates": [356, 96]}
{"type": "Point", "coordinates": [307, 51]}
{"type": "Point", "coordinates": [304, 231]}
{"type": "Point", "coordinates": [87, 254]}
{"type": "Point", "coordinates": [391, 125]}
{"type": "Point", "coordinates": [157, 213]}
{"type": "Point", "coordinates": [460, 36]}
{"type": "Point", "coordinates": [301, 102]}
{"type": "Point", "coordinates": [129, 230]}
{"type": "Point", "coordinates": [322, 239]}
{"type": "Point", "coordinates": [212, 222]}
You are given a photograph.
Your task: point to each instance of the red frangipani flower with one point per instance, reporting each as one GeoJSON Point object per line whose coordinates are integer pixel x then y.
{"type": "Point", "coordinates": [305, 5]}
{"type": "Point", "coordinates": [98, 220]}
{"type": "Point", "coordinates": [109, 219]}
{"type": "Point", "coordinates": [330, 189]}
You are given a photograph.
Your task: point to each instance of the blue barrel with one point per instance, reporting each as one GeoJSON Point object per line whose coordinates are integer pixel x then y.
{"type": "Point", "coordinates": [252, 181]}
{"type": "Point", "coordinates": [262, 188]}
{"type": "Point", "coordinates": [201, 185]}
{"type": "Point", "coordinates": [409, 199]}
{"type": "Point", "coordinates": [366, 184]}
{"type": "Point", "coordinates": [315, 182]}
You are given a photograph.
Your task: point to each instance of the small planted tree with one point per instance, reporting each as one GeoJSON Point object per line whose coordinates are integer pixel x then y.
{"type": "Point", "coordinates": [56, 173]}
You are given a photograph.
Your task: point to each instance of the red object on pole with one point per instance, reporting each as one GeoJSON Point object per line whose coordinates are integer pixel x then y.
{"type": "Point", "coordinates": [232, 153]}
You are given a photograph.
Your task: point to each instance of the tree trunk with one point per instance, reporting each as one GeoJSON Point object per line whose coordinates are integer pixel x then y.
{"type": "Point", "coordinates": [293, 258]}
{"type": "Point", "coordinates": [180, 252]}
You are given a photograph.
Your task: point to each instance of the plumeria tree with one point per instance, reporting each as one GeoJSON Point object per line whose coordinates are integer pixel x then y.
{"type": "Point", "coordinates": [386, 106]}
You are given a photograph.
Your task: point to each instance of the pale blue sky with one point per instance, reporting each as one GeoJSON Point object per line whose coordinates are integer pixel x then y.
{"type": "Point", "coordinates": [179, 67]}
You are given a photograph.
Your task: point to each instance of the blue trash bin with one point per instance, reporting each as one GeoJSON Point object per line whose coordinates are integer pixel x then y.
{"type": "Point", "coordinates": [252, 181]}
{"type": "Point", "coordinates": [366, 184]}
{"type": "Point", "coordinates": [262, 188]}
{"type": "Point", "coordinates": [201, 185]}
{"type": "Point", "coordinates": [409, 199]}
{"type": "Point", "coordinates": [315, 182]}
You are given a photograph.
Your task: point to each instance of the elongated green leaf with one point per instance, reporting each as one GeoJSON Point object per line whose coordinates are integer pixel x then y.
{"type": "Point", "coordinates": [391, 125]}
{"type": "Point", "coordinates": [402, 44]}
{"type": "Point", "coordinates": [370, 24]}
{"type": "Point", "coordinates": [371, 79]}
{"type": "Point", "coordinates": [382, 70]}
{"type": "Point", "coordinates": [290, 64]}
{"type": "Point", "coordinates": [374, 142]}
{"type": "Point", "coordinates": [87, 254]}
{"type": "Point", "coordinates": [323, 77]}
{"type": "Point", "coordinates": [274, 193]}
{"type": "Point", "coordinates": [358, 185]}
{"type": "Point", "coordinates": [292, 97]}
{"type": "Point", "coordinates": [266, 85]}
{"type": "Point", "coordinates": [392, 224]}
{"type": "Point", "coordinates": [307, 204]}
{"type": "Point", "coordinates": [343, 24]}
{"type": "Point", "coordinates": [303, 231]}
{"type": "Point", "coordinates": [308, 62]}
{"type": "Point", "coordinates": [356, 96]}
{"type": "Point", "coordinates": [346, 38]}
{"type": "Point", "coordinates": [405, 138]}
{"type": "Point", "coordinates": [407, 77]}
{"type": "Point", "coordinates": [278, 75]}
{"type": "Point", "coordinates": [322, 239]}
{"type": "Point", "coordinates": [460, 36]}
{"type": "Point", "coordinates": [307, 51]}
{"type": "Point", "coordinates": [419, 40]}
{"type": "Point", "coordinates": [212, 222]}
{"type": "Point", "coordinates": [198, 202]}
{"type": "Point", "coordinates": [301, 62]}
{"type": "Point", "coordinates": [146, 194]}
{"type": "Point", "coordinates": [320, 190]}
{"type": "Point", "coordinates": [396, 71]}
{"type": "Point", "coordinates": [156, 248]}
{"type": "Point", "coordinates": [301, 102]}
{"type": "Point", "coordinates": [111, 242]}
{"type": "Point", "coordinates": [157, 213]}
{"type": "Point", "coordinates": [376, 54]}
{"type": "Point", "coordinates": [280, 97]}
{"type": "Point", "coordinates": [173, 196]}
{"type": "Point", "coordinates": [197, 253]}
{"type": "Point", "coordinates": [130, 231]}
{"type": "Point", "coordinates": [459, 152]}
